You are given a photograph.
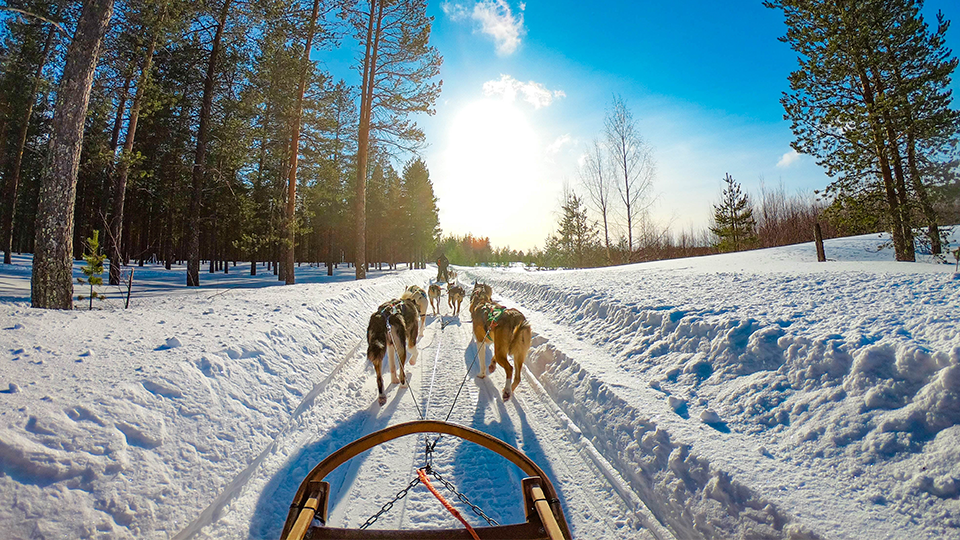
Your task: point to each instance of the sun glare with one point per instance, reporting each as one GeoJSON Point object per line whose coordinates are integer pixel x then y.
{"type": "Point", "coordinates": [490, 172]}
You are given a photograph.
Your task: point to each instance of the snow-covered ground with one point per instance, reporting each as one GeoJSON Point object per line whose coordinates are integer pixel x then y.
{"type": "Point", "coordinates": [748, 395]}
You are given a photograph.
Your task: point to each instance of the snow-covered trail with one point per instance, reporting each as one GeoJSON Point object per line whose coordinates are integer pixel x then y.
{"type": "Point", "coordinates": [758, 394]}
{"type": "Point", "coordinates": [596, 502]}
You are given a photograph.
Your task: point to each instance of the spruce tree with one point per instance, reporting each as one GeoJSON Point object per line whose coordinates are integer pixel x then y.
{"type": "Point", "coordinates": [577, 238]}
{"type": "Point", "coordinates": [733, 219]}
{"type": "Point", "coordinates": [418, 205]}
{"type": "Point", "coordinates": [93, 268]}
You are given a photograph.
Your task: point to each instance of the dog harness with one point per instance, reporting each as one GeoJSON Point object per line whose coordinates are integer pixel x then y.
{"type": "Point", "coordinates": [494, 316]}
{"type": "Point", "coordinates": [390, 308]}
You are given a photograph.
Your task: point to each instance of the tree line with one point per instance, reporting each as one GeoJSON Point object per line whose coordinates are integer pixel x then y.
{"type": "Point", "coordinates": [188, 131]}
{"type": "Point", "coordinates": [870, 101]}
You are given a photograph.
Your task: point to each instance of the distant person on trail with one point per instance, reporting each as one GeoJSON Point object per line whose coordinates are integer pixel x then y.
{"type": "Point", "coordinates": [442, 264]}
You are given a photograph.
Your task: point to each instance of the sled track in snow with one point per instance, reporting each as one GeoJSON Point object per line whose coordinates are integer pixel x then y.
{"type": "Point", "coordinates": [598, 501]}
{"type": "Point", "coordinates": [615, 510]}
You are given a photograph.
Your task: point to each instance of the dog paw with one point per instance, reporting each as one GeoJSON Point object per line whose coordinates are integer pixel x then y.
{"type": "Point", "coordinates": [382, 400]}
{"type": "Point", "coordinates": [395, 380]}
{"type": "Point", "coordinates": [482, 375]}
{"type": "Point", "coordinates": [493, 367]}
{"type": "Point", "coordinates": [506, 396]}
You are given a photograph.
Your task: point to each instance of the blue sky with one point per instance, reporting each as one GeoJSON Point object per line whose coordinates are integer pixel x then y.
{"type": "Point", "coordinates": [526, 86]}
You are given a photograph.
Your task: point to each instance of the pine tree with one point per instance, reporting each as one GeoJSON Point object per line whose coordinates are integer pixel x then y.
{"type": "Point", "coordinates": [871, 103]}
{"type": "Point", "coordinates": [733, 219]}
{"type": "Point", "coordinates": [14, 81]}
{"type": "Point", "coordinates": [93, 268]}
{"type": "Point", "coordinates": [577, 239]}
{"type": "Point", "coordinates": [51, 282]}
{"type": "Point", "coordinates": [397, 71]}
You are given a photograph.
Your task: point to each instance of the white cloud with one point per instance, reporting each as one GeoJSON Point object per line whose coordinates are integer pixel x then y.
{"type": "Point", "coordinates": [456, 12]}
{"type": "Point", "coordinates": [556, 145]}
{"type": "Point", "coordinates": [788, 159]}
{"type": "Point", "coordinates": [495, 18]}
{"type": "Point", "coordinates": [532, 92]}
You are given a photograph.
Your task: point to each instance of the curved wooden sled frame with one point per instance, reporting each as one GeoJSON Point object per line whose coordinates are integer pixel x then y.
{"type": "Point", "coordinates": [545, 519]}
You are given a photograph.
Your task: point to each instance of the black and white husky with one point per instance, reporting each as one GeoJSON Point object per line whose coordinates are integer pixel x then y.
{"type": "Point", "coordinates": [419, 297]}
{"type": "Point", "coordinates": [393, 330]}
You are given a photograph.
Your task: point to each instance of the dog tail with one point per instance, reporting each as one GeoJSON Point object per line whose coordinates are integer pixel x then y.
{"type": "Point", "coordinates": [376, 344]}
{"type": "Point", "coordinates": [520, 342]}
{"type": "Point", "coordinates": [519, 347]}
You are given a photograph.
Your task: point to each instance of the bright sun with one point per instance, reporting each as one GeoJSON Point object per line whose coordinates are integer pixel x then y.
{"type": "Point", "coordinates": [491, 173]}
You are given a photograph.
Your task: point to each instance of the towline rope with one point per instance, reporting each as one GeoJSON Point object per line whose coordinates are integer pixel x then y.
{"type": "Point", "coordinates": [430, 447]}
{"type": "Point", "coordinates": [421, 473]}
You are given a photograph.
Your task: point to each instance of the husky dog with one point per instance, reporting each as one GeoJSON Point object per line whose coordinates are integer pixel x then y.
{"type": "Point", "coordinates": [509, 332]}
{"type": "Point", "coordinates": [392, 330]}
{"type": "Point", "coordinates": [455, 296]}
{"type": "Point", "coordinates": [451, 276]}
{"type": "Point", "coordinates": [419, 298]}
{"type": "Point", "coordinates": [434, 292]}
{"type": "Point", "coordinates": [481, 293]}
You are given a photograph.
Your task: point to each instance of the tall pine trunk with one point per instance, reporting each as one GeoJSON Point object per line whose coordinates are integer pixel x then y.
{"type": "Point", "coordinates": [13, 181]}
{"type": "Point", "coordinates": [289, 278]}
{"type": "Point", "coordinates": [200, 157]}
{"type": "Point", "coordinates": [933, 227]}
{"type": "Point", "coordinates": [363, 138]}
{"type": "Point", "coordinates": [52, 279]}
{"type": "Point", "coordinates": [119, 188]}
{"type": "Point", "coordinates": [899, 228]}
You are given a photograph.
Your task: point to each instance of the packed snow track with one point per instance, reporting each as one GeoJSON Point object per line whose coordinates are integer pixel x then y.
{"type": "Point", "coordinates": [597, 502]}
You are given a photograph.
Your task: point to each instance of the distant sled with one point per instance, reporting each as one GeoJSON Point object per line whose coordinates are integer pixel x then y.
{"type": "Point", "coordinates": [545, 519]}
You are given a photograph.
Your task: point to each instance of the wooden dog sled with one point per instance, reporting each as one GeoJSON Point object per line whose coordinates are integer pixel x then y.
{"type": "Point", "coordinates": [545, 519]}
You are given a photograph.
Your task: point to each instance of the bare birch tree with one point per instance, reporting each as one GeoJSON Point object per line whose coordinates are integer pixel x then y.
{"type": "Point", "coordinates": [633, 163]}
{"type": "Point", "coordinates": [597, 181]}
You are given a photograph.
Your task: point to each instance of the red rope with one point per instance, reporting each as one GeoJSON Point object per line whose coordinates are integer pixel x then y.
{"type": "Point", "coordinates": [423, 478]}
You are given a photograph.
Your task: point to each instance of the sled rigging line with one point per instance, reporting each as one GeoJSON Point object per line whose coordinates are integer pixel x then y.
{"type": "Point", "coordinates": [544, 514]}
{"type": "Point", "coordinates": [430, 447]}
{"type": "Point", "coordinates": [421, 474]}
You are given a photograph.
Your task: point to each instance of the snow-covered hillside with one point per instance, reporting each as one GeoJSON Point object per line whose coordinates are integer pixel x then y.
{"type": "Point", "coordinates": [754, 395]}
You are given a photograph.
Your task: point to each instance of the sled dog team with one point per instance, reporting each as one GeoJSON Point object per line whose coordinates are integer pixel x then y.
{"type": "Point", "coordinates": [397, 325]}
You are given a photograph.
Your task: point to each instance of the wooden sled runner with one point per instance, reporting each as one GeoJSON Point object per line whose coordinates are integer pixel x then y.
{"type": "Point", "coordinates": [545, 519]}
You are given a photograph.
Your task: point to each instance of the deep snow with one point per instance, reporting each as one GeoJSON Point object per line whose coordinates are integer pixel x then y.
{"type": "Point", "coordinates": [755, 395]}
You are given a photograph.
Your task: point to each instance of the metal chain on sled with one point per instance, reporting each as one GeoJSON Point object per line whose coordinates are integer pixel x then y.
{"type": "Point", "coordinates": [463, 498]}
{"type": "Point", "coordinates": [386, 507]}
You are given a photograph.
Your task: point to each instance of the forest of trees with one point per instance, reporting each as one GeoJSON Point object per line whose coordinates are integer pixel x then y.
{"type": "Point", "coordinates": [185, 131]}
